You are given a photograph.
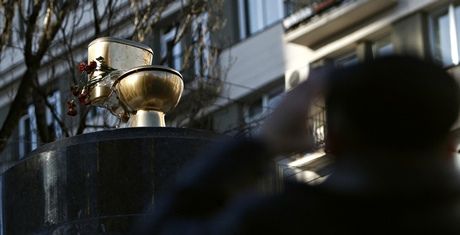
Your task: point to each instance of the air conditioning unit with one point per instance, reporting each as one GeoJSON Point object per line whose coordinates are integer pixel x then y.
{"type": "Point", "coordinates": [294, 77]}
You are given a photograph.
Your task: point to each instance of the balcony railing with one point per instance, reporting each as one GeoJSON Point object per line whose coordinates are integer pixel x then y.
{"type": "Point", "coordinates": [299, 12]}
{"type": "Point", "coordinates": [317, 127]}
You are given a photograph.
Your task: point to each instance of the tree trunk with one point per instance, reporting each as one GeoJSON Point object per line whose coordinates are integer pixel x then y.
{"type": "Point", "coordinates": [40, 114]}
{"type": "Point", "coordinates": [17, 107]}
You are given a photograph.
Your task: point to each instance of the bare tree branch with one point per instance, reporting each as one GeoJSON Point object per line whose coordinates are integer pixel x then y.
{"type": "Point", "coordinates": [32, 61]}
{"type": "Point", "coordinates": [96, 20]}
{"type": "Point", "coordinates": [42, 20]}
{"type": "Point", "coordinates": [82, 123]}
{"type": "Point", "coordinates": [8, 12]}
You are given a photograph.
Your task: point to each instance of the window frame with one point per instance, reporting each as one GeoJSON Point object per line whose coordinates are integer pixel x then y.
{"type": "Point", "coordinates": [27, 126]}
{"type": "Point", "coordinates": [167, 36]}
{"type": "Point", "coordinates": [454, 33]}
{"type": "Point", "coordinates": [339, 61]}
{"type": "Point", "coordinates": [381, 43]}
{"type": "Point", "coordinates": [266, 107]}
{"type": "Point", "coordinates": [28, 137]}
{"type": "Point", "coordinates": [201, 61]}
{"type": "Point", "coordinates": [55, 100]}
{"type": "Point", "coordinates": [244, 20]}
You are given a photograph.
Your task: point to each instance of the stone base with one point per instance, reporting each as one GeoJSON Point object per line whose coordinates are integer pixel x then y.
{"type": "Point", "coordinates": [95, 183]}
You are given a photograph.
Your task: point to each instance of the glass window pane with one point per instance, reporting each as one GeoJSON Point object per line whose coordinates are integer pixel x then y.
{"type": "Point", "coordinates": [457, 24]}
{"type": "Point", "coordinates": [442, 48]}
{"type": "Point", "coordinates": [383, 47]}
{"type": "Point", "coordinates": [202, 39]}
{"type": "Point", "coordinates": [385, 50]}
{"type": "Point", "coordinates": [255, 108]}
{"type": "Point", "coordinates": [177, 56]}
{"type": "Point", "coordinates": [258, 14]}
{"type": "Point", "coordinates": [27, 137]}
{"type": "Point", "coordinates": [242, 18]}
{"type": "Point", "coordinates": [274, 99]}
{"type": "Point", "coordinates": [172, 51]}
{"type": "Point", "coordinates": [255, 15]}
{"type": "Point", "coordinates": [273, 11]}
{"type": "Point", "coordinates": [288, 7]}
{"type": "Point", "coordinates": [347, 60]}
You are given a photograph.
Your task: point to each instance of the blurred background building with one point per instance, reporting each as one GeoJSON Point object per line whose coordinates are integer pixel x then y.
{"type": "Point", "coordinates": [264, 48]}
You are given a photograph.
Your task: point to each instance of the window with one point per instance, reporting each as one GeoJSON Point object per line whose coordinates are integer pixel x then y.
{"type": "Point", "coordinates": [28, 133]}
{"type": "Point", "coordinates": [170, 49]}
{"type": "Point", "coordinates": [290, 7]}
{"type": "Point", "coordinates": [262, 106]}
{"type": "Point", "coordinates": [317, 122]}
{"type": "Point", "coordinates": [445, 26]}
{"type": "Point", "coordinates": [28, 138]}
{"type": "Point", "coordinates": [54, 99]}
{"type": "Point", "coordinates": [346, 60]}
{"type": "Point", "coordinates": [274, 98]}
{"type": "Point", "coordinates": [254, 110]}
{"type": "Point", "coordinates": [383, 47]}
{"type": "Point", "coordinates": [255, 15]}
{"type": "Point", "coordinates": [201, 45]}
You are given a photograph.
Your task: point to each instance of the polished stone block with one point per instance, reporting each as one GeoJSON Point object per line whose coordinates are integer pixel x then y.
{"type": "Point", "coordinates": [95, 183]}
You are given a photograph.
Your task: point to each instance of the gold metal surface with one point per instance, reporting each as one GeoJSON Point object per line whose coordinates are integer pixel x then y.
{"type": "Point", "coordinates": [144, 118]}
{"type": "Point", "coordinates": [155, 88]}
{"type": "Point", "coordinates": [119, 54]}
{"type": "Point", "coordinates": [99, 94]}
{"type": "Point", "coordinates": [143, 92]}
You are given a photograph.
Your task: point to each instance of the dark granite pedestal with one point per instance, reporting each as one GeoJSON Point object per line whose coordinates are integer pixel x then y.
{"type": "Point", "coordinates": [98, 183]}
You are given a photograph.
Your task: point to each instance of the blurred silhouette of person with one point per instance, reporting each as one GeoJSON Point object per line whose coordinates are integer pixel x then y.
{"type": "Point", "coordinates": [389, 124]}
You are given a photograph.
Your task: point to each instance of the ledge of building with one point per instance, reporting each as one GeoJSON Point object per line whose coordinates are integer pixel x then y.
{"type": "Point", "coordinates": [335, 21]}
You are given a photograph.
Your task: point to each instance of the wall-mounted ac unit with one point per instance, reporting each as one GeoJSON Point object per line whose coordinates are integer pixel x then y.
{"type": "Point", "coordinates": [294, 77]}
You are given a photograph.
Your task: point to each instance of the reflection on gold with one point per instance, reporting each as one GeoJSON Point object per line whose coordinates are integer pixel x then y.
{"type": "Point", "coordinates": [143, 93]}
{"type": "Point", "coordinates": [150, 88]}
{"type": "Point", "coordinates": [119, 54]}
{"type": "Point", "coordinates": [99, 94]}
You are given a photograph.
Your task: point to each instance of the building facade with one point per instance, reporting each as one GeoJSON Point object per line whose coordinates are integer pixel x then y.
{"type": "Point", "coordinates": [266, 48]}
{"type": "Point", "coordinates": [319, 32]}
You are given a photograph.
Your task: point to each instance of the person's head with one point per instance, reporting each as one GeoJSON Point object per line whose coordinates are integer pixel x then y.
{"type": "Point", "coordinates": [395, 103]}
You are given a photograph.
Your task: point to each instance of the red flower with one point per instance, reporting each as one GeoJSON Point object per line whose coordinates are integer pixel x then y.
{"type": "Point", "coordinates": [91, 67]}
{"type": "Point", "coordinates": [82, 98]}
{"type": "Point", "coordinates": [82, 67]}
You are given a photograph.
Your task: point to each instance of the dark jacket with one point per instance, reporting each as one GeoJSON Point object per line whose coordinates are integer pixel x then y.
{"type": "Point", "coordinates": [212, 198]}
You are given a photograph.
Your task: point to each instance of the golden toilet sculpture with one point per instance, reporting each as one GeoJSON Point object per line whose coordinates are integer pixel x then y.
{"type": "Point", "coordinates": [128, 85]}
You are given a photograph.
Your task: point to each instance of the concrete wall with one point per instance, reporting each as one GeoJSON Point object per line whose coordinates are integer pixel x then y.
{"type": "Point", "coordinates": [410, 35]}
{"type": "Point", "coordinates": [227, 119]}
{"type": "Point", "coordinates": [229, 34]}
{"type": "Point", "coordinates": [253, 63]}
